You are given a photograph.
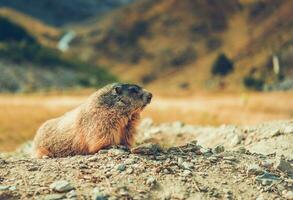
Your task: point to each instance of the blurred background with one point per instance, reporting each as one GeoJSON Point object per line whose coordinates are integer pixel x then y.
{"type": "Point", "coordinates": [207, 62]}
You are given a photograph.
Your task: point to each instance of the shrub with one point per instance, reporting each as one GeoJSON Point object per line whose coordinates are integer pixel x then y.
{"type": "Point", "coordinates": [222, 65]}
{"type": "Point", "coordinates": [251, 82]}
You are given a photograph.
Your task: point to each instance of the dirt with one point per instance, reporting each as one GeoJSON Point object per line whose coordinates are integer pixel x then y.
{"type": "Point", "coordinates": [227, 162]}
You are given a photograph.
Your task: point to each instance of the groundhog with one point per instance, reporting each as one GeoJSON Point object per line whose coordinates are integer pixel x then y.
{"type": "Point", "coordinates": [108, 117]}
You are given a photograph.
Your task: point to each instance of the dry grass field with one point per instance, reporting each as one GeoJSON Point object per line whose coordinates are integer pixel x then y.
{"type": "Point", "coordinates": [21, 115]}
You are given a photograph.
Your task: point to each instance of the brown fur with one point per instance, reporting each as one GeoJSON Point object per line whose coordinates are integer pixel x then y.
{"type": "Point", "coordinates": [86, 129]}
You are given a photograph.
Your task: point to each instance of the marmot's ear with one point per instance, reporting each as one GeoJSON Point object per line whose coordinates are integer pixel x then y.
{"type": "Point", "coordinates": [118, 89]}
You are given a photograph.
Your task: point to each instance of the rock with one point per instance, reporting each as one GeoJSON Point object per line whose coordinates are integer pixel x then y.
{"type": "Point", "coordinates": [117, 152]}
{"type": "Point", "coordinates": [98, 194]}
{"type": "Point", "coordinates": [284, 166]}
{"type": "Point", "coordinates": [2, 162]}
{"type": "Point", "coordinates": [218, 149]}
{"type": "Point", "coordinates": [61, 186]}
{"type": "Point", "coordinates": [187, 165]}
{"type": "Point", "coordinates": [254, 169]}
{"type": "Point", "coordinates": [186, 173]}
{"type": "Point", "coordinates": [129, 170]}
{"type": "Point", "coordinates": [241, 150]}
{"type": "Point", "coordinates": [33, 168]}
{"type": "Point", "coordinates": [12, 188]}
{"type": "Point", "coordinates": [121, 167]}
{"type": "Point", "coordinates": [206, 151]}
{"type": "Point", "coordinates": [4, 187]}
{"type": "Point", "coordinates": [287, 194]}
{"type": "Point", "coordinates": [147, 149]}
{"type": "Point", "coordinates": [151, 181]}
{"type": "Point", "coordinates": [180, 161]}
{"type": "Point", "coordinates": [54, 196]}
{"type": "Point", "coordinates": [230, 158]}
{"type": "Point", "coordinates": [93, 158]}
{"type": "Point", "coordinates": [103, 151]}
{"type": "Point", "coordinates": [71, 194]}
{"type": "Point", "coordinates": [267, 178]}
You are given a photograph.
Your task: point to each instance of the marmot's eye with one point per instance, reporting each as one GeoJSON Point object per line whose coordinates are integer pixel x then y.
{"type": "Point", "coordinates": [133, 90]}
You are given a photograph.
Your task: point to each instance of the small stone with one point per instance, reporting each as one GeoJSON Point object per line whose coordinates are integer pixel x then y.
{"type": "Point", "coordinates": [121, 167]}
{"type": "Point", "coordinates": [12, 188]}
{"type": "Point", "coordinates": [187, 165]}
{"type": "Point", "coordinates": [284, 166]}
{"type": "Point", "coordinates": [206, 151]}
{"type": "Point", "coordinates": [4, 187]}
{"type": "Point", "coordinates": [254, 169]}
{"type": "Point", "coordinates": [287, 194]}
{"type": "Point", "coordinates": [61, 186]}
{"type": "Point", "coordinates": [151, 181]}
{"type": "Point", "coordinates": [71, 194]}
{"type": "Point", "coordinates": [241, 150]}
{"type": "Point", "coordinates": [33, 168]}
{"type": "Point", "coordinates": [129, 170]}
{"type": "Point", "coordinates": [186, 173]}
{"type": "Point", "coordinates": [266, 178]}
{"type": "Point", "coordinates": [267, 163]}
{"type": "Point", "coordinates": [93, 158]}
{"type": "Point", "coordinates": [103, 151]}
{"type": "Point", "coordinates": [54, 196]}
{"type": "Point", "coordinates": [147, 149]}
{"type": "Point", "coordinates": [117, 152]}
{"type": "Point", "coordinates": [98, 194]}
{"type": "Point", "coordinates": [218, 149]}
{"type": "Point", "coordinates": [230, 158]}
{"type": "Point", "coordinates": [180, 161]}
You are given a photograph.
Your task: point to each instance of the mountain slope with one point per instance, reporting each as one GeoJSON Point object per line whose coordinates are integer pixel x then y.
{"type": "Point", "coordinates": [176, 42]}
{"type": "Point", "coordinates": [61, 12]}
{"type": "Point", "coordinates": [26, 64]}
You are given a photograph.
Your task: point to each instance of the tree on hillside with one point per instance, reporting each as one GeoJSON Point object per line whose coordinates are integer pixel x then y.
{"type": "Point", "coordinates": [222, 65]}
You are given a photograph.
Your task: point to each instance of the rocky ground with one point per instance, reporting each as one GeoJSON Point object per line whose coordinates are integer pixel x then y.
{"type": "Point", "coordinates": [188, 162]}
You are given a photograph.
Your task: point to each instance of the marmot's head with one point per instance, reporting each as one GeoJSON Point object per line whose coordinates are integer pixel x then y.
{"type": "Point", "coordinates": [128, 98]}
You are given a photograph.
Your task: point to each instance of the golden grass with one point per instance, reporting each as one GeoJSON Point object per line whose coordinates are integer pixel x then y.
{"type": "Point", "coordinates": [21, 115]}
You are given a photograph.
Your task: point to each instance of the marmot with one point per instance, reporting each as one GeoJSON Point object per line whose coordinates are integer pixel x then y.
{"type": "Point", "coordinates": [108, 117]}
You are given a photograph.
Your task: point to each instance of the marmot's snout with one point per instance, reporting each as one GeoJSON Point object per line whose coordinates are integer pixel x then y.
{"type": "Point", "coordinates": [147, 97]}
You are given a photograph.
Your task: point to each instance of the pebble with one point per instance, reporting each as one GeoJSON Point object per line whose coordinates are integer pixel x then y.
{"type": "Point", "coordinates": [54, 196]}
{"type": "Point", "coordinates": [180, 161]}
{"type": "Point", "coordinates": [186, 173]}
{"type": "Point", "coordinates": [61, 186]}
{"type": "Point", "coordinates": [151, 181]}
{"type": "Point", "coordinates": [12, 188]}
{"type": "Point", "coordinates": [287, 194]}
{"type": "Point", "coordinates": [218, 149]}
{"type": "Point", "coordinates": [147, 149]}
{"type": "Point", "coordinates": [71, 194]}
{"type": "Point", "coordinates": [206, 151]}
{"type": "Point", "coordinates": [241, 150]}
{"type": "Point", "coordinates": [117, 152]}
{"type": "Point", "coordinates": [267, 178]}
{"type": "Point", "coordinates": [121, 167]}
{"type": "Point", "coordinates": [254, 169]}
{"type": "Point", "coordinates": [284, 166]}
{"type": "Point", "coordinates": [4, 187]}
{"type": "Point", "coordinates": [187, 165]}
{"type": "Point", "coordinates": [230, 158]}
{"type": "Point", "coordinates": [129, 170]}
{"type": "Point", "coordinates": [98, 194]}
{"type": "Point", "coordinates": [93, 158]}
{"type": "Point", "coordinates": [103, 151]}
{"type": "Point", "coordinates": [33, 168]}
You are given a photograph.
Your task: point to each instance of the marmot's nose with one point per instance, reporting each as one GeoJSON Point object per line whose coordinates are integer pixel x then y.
{"type": "Point", "coordinates": [149, 97]}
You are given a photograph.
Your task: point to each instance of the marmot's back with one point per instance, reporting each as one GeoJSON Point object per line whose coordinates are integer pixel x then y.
{"type": "Point", "coordinates": [107, 117]}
